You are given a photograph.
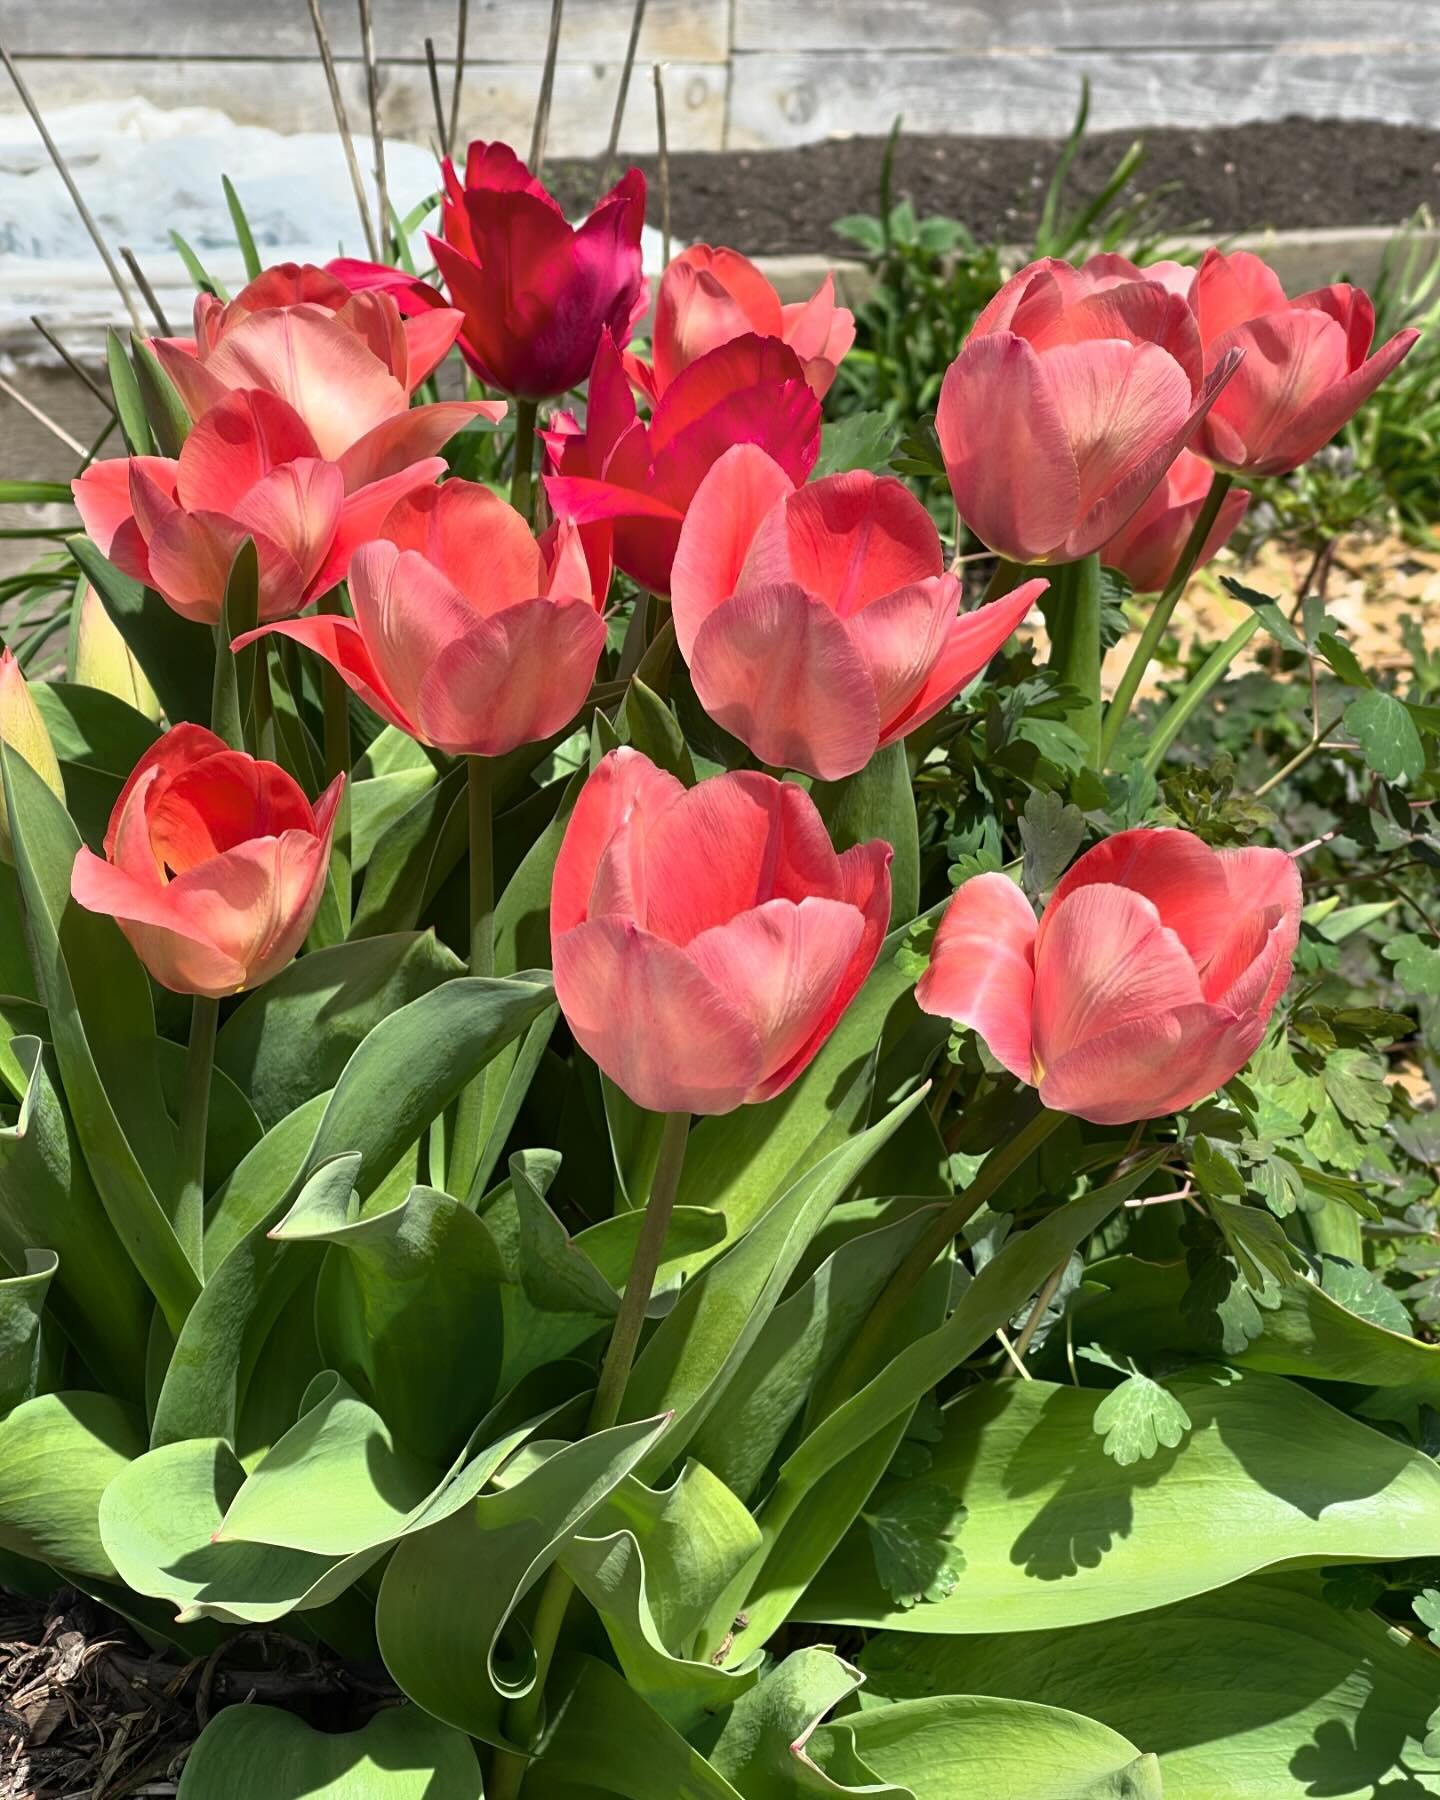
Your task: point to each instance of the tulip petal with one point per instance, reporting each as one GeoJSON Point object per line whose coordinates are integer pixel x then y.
{"type": "Point", "coordinates": [236, 444]}
{"type": "Point", "coordinates": [600, 867]}
{"type": "Point", "coordinates": [296, 506]}
{"type": "Point", "coordinates": [363, 514]}
{"type": "Point", "coordinates": [1230, 289]}
{"type": "Point", "coordinates": [1151, 1066]}
{"type": "Point", "coordinates": [850, 538]}
{"type": "Point", "coordinates": [103, 500]}
{"type": "Point", "coordinates": [429, 336]}
{"type": "Point", "coordinates": [775, 667]}
{"type": "Point", "coordinates": [1177, 872]}
{"type": "Point", "coordinates": [900, 637]}
{"type": "Point", "coordinates": [720, 525]}
{"type": "Point", "coordinates": [406, 438]}
{"type": "Point", "coordinates": [1292, 359]}
{"type": "Point", "coordinates": [481, 544]}
{"type": "Point", "coordinates": [408, 614]}
{"type": "Point", "coordinates": [1263, 883]}
{"type": "Point", "coordinates": [732, 368]}
{"type": "Point", "coordinates": [707, 297]}
{"type": "Point", "coordinates": [167, 940]}
{"type": "Point", "coordinates": [181, 746]}
{"type": "Point", "coordinates": [1119, 402]}
{"type": "Point", "coordinates": [190, 558]}
{"type": "Point", "coordinates": [982, 971]}
{"type": "Point", "coordinates": [215, 804]}
{"type": "Point", "coordinates": [197, 387]}
{"type": "Point", "coordinates": [642, 1010]}
{"type": "Point", "coordinates": [972, 639]}
{"type": "Point", "coordinates": [1314, 425]}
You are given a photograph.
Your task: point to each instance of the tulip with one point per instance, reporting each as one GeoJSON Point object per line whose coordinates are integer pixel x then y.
{"type": "Point", "coordinates": [249, 468]}
{"type": "Point", "coordinates": [23, 731]}
{"type": "Point", "coordinates": [535, 292]}
{"type": "Point", "coordinates": [707, 297]}
{"type": "Point", "coordinates": [468, 634]}
{"type": "Point", "coordinates": [214, 864]}
{"type": "Point", "coordinates": [644, 476]}
{"type": "Point", "coordinates": [1306, 367]}
{"type": "Point", "coordinates": [707, 940]}
{"type": "Point", "coordinates": [1074, 392]}
{"type": "Point", "coordinates": [410, 294]}
{"type": "Point", "coordinates": [819, 623]}
{"type": "Point", "coordinates": [346, 362]}
{"type": "Point", "coordinates": [1147, 984]}
{"type": "Point", "coordinates": [1148, 549]}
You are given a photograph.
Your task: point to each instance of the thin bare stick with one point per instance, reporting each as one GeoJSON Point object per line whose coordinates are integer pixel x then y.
{"type": "Point", "coordinates": [1011, 1352]}
{"type": "Point", "coordinates": [452, 135]}
{"type": "Point", "coordinates": [62, 168]}
{"type": "Point", "coordinates": [146, 289]}
{"type": "Point", "coordinates": [622, 94]}
{"type": "Point", "coordinates": [75, 368]}
{"type": "Point", "coordinates": [377, 136]}
{"type": "Point", "coordinates": [663, 145]}
{"type": "Point", "coordinates": [44, 418]}
{"type": "Point", "coordinates": [442, 135]}
{"type": "Point", "coordinates": [337, 102]}
{"type": "Point", "coordinates": [547, 89]}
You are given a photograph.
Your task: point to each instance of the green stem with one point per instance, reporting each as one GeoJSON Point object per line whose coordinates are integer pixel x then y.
{"type": "Point", "coordinates": [1071, 606]}
{"type": "Point", "coordinates": [521, 491]}
{"type": "Point", "coordinates": [262, 707]}
{"type": "Point", "coordinates": [861, 1361]}
{"type": "Point", "coordinates": [1199, 685]}
{"type": "Point", "coordinates": [335, 704]}
{"type": "Point", "coordinates": [469, 1114]}
{"type": "Point", "coordinates": [1004, 578]}
{"type": "Point", "coordinates": [194, 1120]}
{"type": "Point", "coordinates": [1300, 758]}
{"type": "Point", "coordinates": [1155, 626]}
{"type": "Point", "coordinates": [525, 1715]}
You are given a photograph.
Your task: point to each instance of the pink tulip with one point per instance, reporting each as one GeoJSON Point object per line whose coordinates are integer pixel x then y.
{"type": "Point", "coordinates": [1074, 392]}
{"type": "Point", "coordinates": [644, 476]}
{"type": "Point", "coordinates": [1147, 984]}
{"type": "Point", "coordinates": [410, 294]}
{"type": "Point", "coordinates": [537, 293]}
{"type": "Point", "coordinates": [707, 297]}
{"type": "Point", "coordinates": [346, 362]}
{"type": "Point", "coordinates": [1147, 550]}
{"type": "Point", "coordinates": [818, 622]}
{"type": "Point", "coordinates": [468, 634]}
{"type": "Point", "coordinates": [214, 864]}
{"type": "Point", "coordinates": [1305, 369]}
{"type": "Point", "coordinates": [249, 468]}
{"type": "Point", "coordinates": [706, 940]}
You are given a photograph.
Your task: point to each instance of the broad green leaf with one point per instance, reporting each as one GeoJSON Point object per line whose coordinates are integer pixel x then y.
{"type": "Point", "coordinates": [445, 1617]}
{"type": "Point", "coordinates": [177, 655]}
{"type": "Point", "coordinates": [93, 729]}
{"type": "Point", "coordinates": [58, 1453]}
{"type": "Point", "coordinates": [1260, 1689]}
{"type": "Point", "coordinates": [878, 802]}
{"type": "Point", "coordinates": [1059, 1534]}
{"type": "Point", "coordinates": [763, 1748]}
{"type": "Point", "coordinates": [232, 1130]}
{"type": "Point", "coordinates": [234, 687]}
{"type": "Point", "coordinates": [411, 858]}
{"type": "Point", "coordinates": [401, 1754]}
{"type": "Point", "coordinates": [377, 803]}
{"type": "Point", "coordinates": [1386, 733]}
{"type": "Point", "coordinates": [290, 1039]}
{"type": "Point", "coordinates": [650, 726]}
{"type": "Point", "coordinates": [166, 412]}
{"type": "Point", "coordinates": [129, 407]}
{"type": "Point", "coordinates": [260, 1181]}
{"type": "Point", "coordinates": [968, 1744]}
{"type": "Point", "coordinates": [693, 1232]}
{"type": "Point", "coordinates": [47, 1201]}
{"type": "Point", "coordinates": [22, 1302]}
{"type": "Point", "coordinates": [556, 1274]}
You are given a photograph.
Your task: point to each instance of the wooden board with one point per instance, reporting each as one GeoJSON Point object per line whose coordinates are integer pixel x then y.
{"type": "Point", "coordinates": [498, 99]}
{"type": "Point", "coordinates": [498, 31]}
{"type": "Point", "coordinates": [799, 98]}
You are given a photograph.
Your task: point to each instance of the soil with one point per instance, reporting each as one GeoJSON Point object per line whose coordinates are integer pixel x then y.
{"type": "Point", "coordinates": [1285, 174]}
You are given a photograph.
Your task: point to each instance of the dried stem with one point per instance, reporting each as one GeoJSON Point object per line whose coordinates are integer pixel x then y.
{"type": "Point", "coordinates": [442, 133]}
{"type": "Point", "coordinates": [622, 94]}
{"type": "Point", "coordinates": [342, 122]}
{"type": "Point", "coordinates": [547, 90]}
{"type": "Point", "coordinates": [75, 368]}
{"type": "Point", "coordinates": [377, 136]}
{"type": "Point", "coordinates": [157, 311]}
{"type": "Point", "coordinates": [44, 418]}
{"type": "Point", "coordinates": [452, 135]}
{"type": "Point", "coordinates": [664, 150]}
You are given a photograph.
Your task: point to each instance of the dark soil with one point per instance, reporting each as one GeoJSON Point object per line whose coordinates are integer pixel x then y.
{"type": "Point", "coordinates": [1291, 173]}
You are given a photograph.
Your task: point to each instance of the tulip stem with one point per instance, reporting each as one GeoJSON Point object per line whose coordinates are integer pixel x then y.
{"type": "Point", "coordinates": [335, 706]}
{"type": "Point", "coordinates": [867, 1349]}
{"type": "Point", "coordinates": [521, 487]}
{"type": "Point", "coordinates": [1160, 614]}
{"type": "Point", "coordinates": [525, 1715]}
{"type": "Point", "coordinates": [469, 1113]}
{"type": "Point", "coordinates": [1071, 607]}
{"type": "Point", "coordinates": [1004, 579]}
{"type": "Point", "coordinates": [1200, 684]}
{"type": "Point", "coordinates": [194, 1121]}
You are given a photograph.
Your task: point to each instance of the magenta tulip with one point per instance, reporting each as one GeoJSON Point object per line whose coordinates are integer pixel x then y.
{"type": "Point", "coordinates": [707, 940]}
{"type": "Point", "coordinates": [1306, 366]}
{"type": "Point", "coordinates": [1147, 550]}
{"type": "Point", "coordinates": [1074, 392]}
{"type": "Point", "coordinates": [1147, 984]}
{"type": "Point", "coordinates": [819, 622]}
{"type": "Point", "coordinates": [468, 634]}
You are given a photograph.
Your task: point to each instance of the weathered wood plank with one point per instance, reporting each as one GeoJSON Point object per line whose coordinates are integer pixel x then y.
{"type": "Point", "coordinates": [800, 98]}
{"type": "Point", "coordinates": [975, 25]}
{"type": "Point", "coordinates": [499, 30]}
{"type": "Point", "coordinates": [498, 98]}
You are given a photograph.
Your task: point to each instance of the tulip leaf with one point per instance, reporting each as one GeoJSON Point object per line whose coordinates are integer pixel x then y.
{"type": "Point", "coordinates": [649, 725]}
{"type": "Point", "coordinates": [22, 1303]}
{"type": "Point", "coordinates": [1058, 1533]}
{"type": "Point", "coordinates": [400, 1754]}
{"type": "Point", "coordinates": [234, 688]}
{"type": "Point", "coordinates": [1262, 1687]}
{"type": "Point", "coordinates": [129, 406]}
{"type": "Point", "coordinates": [878, 802]}
{"type": "Point", "coordinates": [556, 1274]}
{"type": "Point", "coordinates": [1386, 733]}
{"type": "Point", "coordinates": [92, 729]}
{"type": "Point", "coordinates": [411, 858]}
{"type": "Point", "coordinates": [58, 1453]}
{"type": "Point", "coordinates": [244, 237]}
{"type": "Point", "coordinates": [168, 418]}
{"type": "Point", "coordinates": [177, 655]}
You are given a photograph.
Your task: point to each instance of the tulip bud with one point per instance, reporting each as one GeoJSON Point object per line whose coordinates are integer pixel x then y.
{"type": "Point", "coordinates": [103, 659]}
{"type": "Point", "coordinates": [22, 730]}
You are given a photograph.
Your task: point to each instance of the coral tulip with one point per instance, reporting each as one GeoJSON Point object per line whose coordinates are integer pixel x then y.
{"type": "Point", "coordinates": [706, 940]}
{"type": "Point", "coordinates": [468, 634]}
{"type": "Point", "coordinates": [1147, 984]}
{"type": "Point", "coordinates": [214, 864]}
{"type": "Point", "coordinates": [818, 622]}
{"type": "Point", "coordinates": [412, 295]}
{"type": "Point", "coordinates": [644, 476]}
{"type": "Point", "coordinates": [1072, 395]}
{"type": "Point", "coordinates": [1147, 550]}
{"type": "Point", "coordinates": [535, 291]}
{"type": "Point", "coordinates": [707, 297]}
{"type": "Point", "coordinates": [346, 362]}
{"type": "Point", "coordinates": [23, 731]}
{"type": "Point", "coordinates": [1306, 367]}
{"type": "Point", "coordinates": [249, 468]}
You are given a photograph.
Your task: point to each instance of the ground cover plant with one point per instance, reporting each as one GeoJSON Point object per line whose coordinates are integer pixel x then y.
{"type": "Point", "coordinates": [637, 1104]}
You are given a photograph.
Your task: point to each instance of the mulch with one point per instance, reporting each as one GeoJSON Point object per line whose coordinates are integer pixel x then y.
{"type": "Point", "coordinates": [1283, 174]}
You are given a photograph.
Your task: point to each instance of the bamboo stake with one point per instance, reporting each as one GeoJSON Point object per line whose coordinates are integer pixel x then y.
{"type": "Point", "coordinates": [442, 135]}
{"type": "Point", "coordinates": [547, 89]}
{"type": "Point", "coordinates": [377, 136]}
{"type": "Point", "coordinates": [145, 288]}
{"type": "Point", "coordinates": [75, 368]}
{"type": "Point", "coordinates": [337, 102]}
{"type": "Point", "coordinates": [664, 152]}
{"type": "Point", "coordinates": [44, 418]}
{"type": "Point", "coordinates": [451, 136]}
{"type": "Point", "coordinates": [637, 19]}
